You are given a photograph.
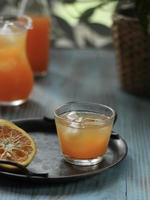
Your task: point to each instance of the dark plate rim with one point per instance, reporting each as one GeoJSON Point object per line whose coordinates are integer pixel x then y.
{"type": "Point", "coordinates": [61, 178]}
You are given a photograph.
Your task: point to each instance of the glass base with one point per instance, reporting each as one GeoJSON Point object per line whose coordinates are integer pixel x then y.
{"type": "Point", "coordinates": [12, 103]}
{"type": "Point", "coordinates": [88, 162]}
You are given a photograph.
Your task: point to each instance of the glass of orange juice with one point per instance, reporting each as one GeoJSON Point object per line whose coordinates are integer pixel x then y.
{"type": "Point", "coordinates": [84, 131]}
{"type": "Point", "coordinates": [16, 77]}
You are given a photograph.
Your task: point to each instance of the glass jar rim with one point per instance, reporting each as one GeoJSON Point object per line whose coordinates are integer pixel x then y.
{"type": "Point", "coordinates": [8, 22]}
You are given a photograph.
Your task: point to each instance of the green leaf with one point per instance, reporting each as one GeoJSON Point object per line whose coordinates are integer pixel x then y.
{"type": "Point", "coordinates": [69, 1]}
{"type": "Point", "coordinates": [88, 13]}
{"type": "Point", "coordinates": [89, 44]}
{"type": "Point", "coordinates": [99, 28]}
{"type": "Point", "coordinates": [67, 29]}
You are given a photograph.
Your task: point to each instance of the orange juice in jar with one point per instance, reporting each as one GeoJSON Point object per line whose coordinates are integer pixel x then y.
{"type": "Point", "coordinates": [84, 131]}
{"type": "Point", "coordinates": [38, 43]}
{"type": "Point", "coordinates": [16, 78]}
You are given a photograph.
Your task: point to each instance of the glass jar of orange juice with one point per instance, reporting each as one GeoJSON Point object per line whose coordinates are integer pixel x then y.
{"type": "Point", "coordinates": [38, 41]}
{"type": "Point", "coordinates": [16, 77]}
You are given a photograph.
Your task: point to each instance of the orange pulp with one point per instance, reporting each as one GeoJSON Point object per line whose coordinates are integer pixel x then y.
{"type": "Point", "coordinates": [16, 79]}
{"type": "Point", "coordinates": [87, 142]}
{"type": "Point", "coordinates": [38, 44]}
{"type": "Point", "coordinates": [15, 144]}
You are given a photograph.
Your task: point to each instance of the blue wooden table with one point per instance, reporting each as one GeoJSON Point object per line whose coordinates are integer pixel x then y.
{"type": "Point", "coordinates": [89, 75]}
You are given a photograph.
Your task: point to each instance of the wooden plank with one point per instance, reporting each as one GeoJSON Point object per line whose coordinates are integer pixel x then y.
{"type": "Point", "coordinates": [90, 75]}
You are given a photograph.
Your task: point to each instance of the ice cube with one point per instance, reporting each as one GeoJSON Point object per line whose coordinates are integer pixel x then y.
{"type": "Point", "coordinates": [6, 29]}
{"type": "Point", "coordinates": [75, 125]}
{"type": "Point", "coordinates": [94, 121]}
{"type": "Point", "coordinates": [74, 117]}
{"type": "Point", "coordinates": [71, 130]}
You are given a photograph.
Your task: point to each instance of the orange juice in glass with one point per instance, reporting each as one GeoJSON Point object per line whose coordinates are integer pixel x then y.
{"type": "Point", "coordinates": [84, 131]}
{"type": "Point", "coordinates": [16, 77]}
{"type": "Point", "coordinates": [38, 44]}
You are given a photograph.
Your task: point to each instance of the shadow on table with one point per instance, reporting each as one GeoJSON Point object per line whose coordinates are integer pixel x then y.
{"type": "Point", "coordinates": [30, 109]}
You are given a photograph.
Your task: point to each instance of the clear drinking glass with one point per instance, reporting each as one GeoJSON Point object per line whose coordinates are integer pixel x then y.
{"type": "Point", "coordinates": [84, 131]}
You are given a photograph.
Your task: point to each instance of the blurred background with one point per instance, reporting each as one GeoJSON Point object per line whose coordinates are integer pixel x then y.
{"type": "Point", "coordinates": [75, 23]}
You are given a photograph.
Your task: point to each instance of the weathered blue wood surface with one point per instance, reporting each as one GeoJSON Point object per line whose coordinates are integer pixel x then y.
{"type": "Point", "coordinates": [89, 75]}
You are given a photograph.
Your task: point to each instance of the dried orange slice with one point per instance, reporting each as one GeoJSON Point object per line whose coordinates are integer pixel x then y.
{"type": "Point", "coordinates": [15, 144]}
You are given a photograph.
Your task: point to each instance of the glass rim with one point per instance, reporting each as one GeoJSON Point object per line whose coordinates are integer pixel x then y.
{"type": "Point", "coordinates": [23, 22]}
{"type": "Point", "coordinates": [84, 103]}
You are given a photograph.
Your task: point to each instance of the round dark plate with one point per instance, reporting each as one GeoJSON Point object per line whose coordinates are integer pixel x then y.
{"type": "Point", "coordinates": [49, 159]}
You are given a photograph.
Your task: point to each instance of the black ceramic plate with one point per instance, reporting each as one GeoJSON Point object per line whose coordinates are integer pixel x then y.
{"type": "Point", "coordinates": [49, 159]}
